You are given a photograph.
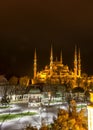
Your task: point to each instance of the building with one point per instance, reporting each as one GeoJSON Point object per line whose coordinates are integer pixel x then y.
{"type": "Point", "coordinates": [90, 113]}
{"type": "Point", "coordinates": [56, 72]}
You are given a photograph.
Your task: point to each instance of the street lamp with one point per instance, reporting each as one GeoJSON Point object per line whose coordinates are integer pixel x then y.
{"type": "Point", "coordinates": [40, 112]}
{"type": "Point", "coordinates": [49, 97]}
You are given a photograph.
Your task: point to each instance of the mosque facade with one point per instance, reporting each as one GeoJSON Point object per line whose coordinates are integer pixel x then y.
{"type": "Point", "coordinates": [56, 72]}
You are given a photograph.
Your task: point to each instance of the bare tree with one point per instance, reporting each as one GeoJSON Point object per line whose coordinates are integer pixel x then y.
{"type": "Point", "coordinates": [4, 88]}
{"type": "Point", "coordinates": [13, 82]}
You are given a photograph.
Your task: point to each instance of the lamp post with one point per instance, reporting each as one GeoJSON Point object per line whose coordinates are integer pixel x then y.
{"type": "Point", "coordinates": [49, 97]}
{"type": "Point", "coordinates": [40, 110]}
{"type": "Point", "coordinates": [68, 100]}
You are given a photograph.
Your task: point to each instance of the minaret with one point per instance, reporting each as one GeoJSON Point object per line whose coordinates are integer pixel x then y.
{"type": "Point", "coordinates": [61, 57]}
{"type": "Point", "coordinates": [51, 60]}
{"type": "Point", "coordinates": [75, 63]}
{"type": "Point", "coordinates": [56, 59]}
{"type": "Point", "coordinates": [79, 64]}
{"type": "Point", "coordinates": [35, 64]}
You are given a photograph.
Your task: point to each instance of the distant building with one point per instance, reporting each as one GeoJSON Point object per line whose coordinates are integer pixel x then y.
{"type": "Point", "coordinates": [33, 97]}
{"type": "Point", "coordinates": [90, 113]}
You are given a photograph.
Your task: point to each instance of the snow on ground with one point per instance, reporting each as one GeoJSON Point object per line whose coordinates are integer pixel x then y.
{"type": "Point", "coordinates": [21, 123]}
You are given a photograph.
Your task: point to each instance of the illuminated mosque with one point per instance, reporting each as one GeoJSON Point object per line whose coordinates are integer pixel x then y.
{"type": "Point", "coordinates": [56, 72]}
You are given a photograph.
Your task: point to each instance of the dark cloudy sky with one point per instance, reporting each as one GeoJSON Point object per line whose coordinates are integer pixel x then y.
{"type": "Point", "coordinates": [29, 24]}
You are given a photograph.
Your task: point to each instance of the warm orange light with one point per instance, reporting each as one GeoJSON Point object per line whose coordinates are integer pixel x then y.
{"type": "Point", "coordinates": [43, 76]}
{"type": "Point", "coordinates": [91, 97]}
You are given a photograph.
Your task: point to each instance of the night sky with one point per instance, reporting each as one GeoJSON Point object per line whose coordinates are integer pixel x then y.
{"type": "Point", "coordinates": [29, 24]}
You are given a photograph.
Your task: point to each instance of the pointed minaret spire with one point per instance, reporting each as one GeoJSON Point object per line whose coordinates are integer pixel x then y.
{"type": "Point", "coordinates": [35, 64]}
{"type": "Point", "coordinates": [51, 55]}
{"type": "Point", "coordinates": [61, 58]}
{"type": "Point", "coordinates": [79, 64]}
{"type": "Point", "coordinates": [75, 62]}
{"type": "Point", "coordinates": [51, 60]}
